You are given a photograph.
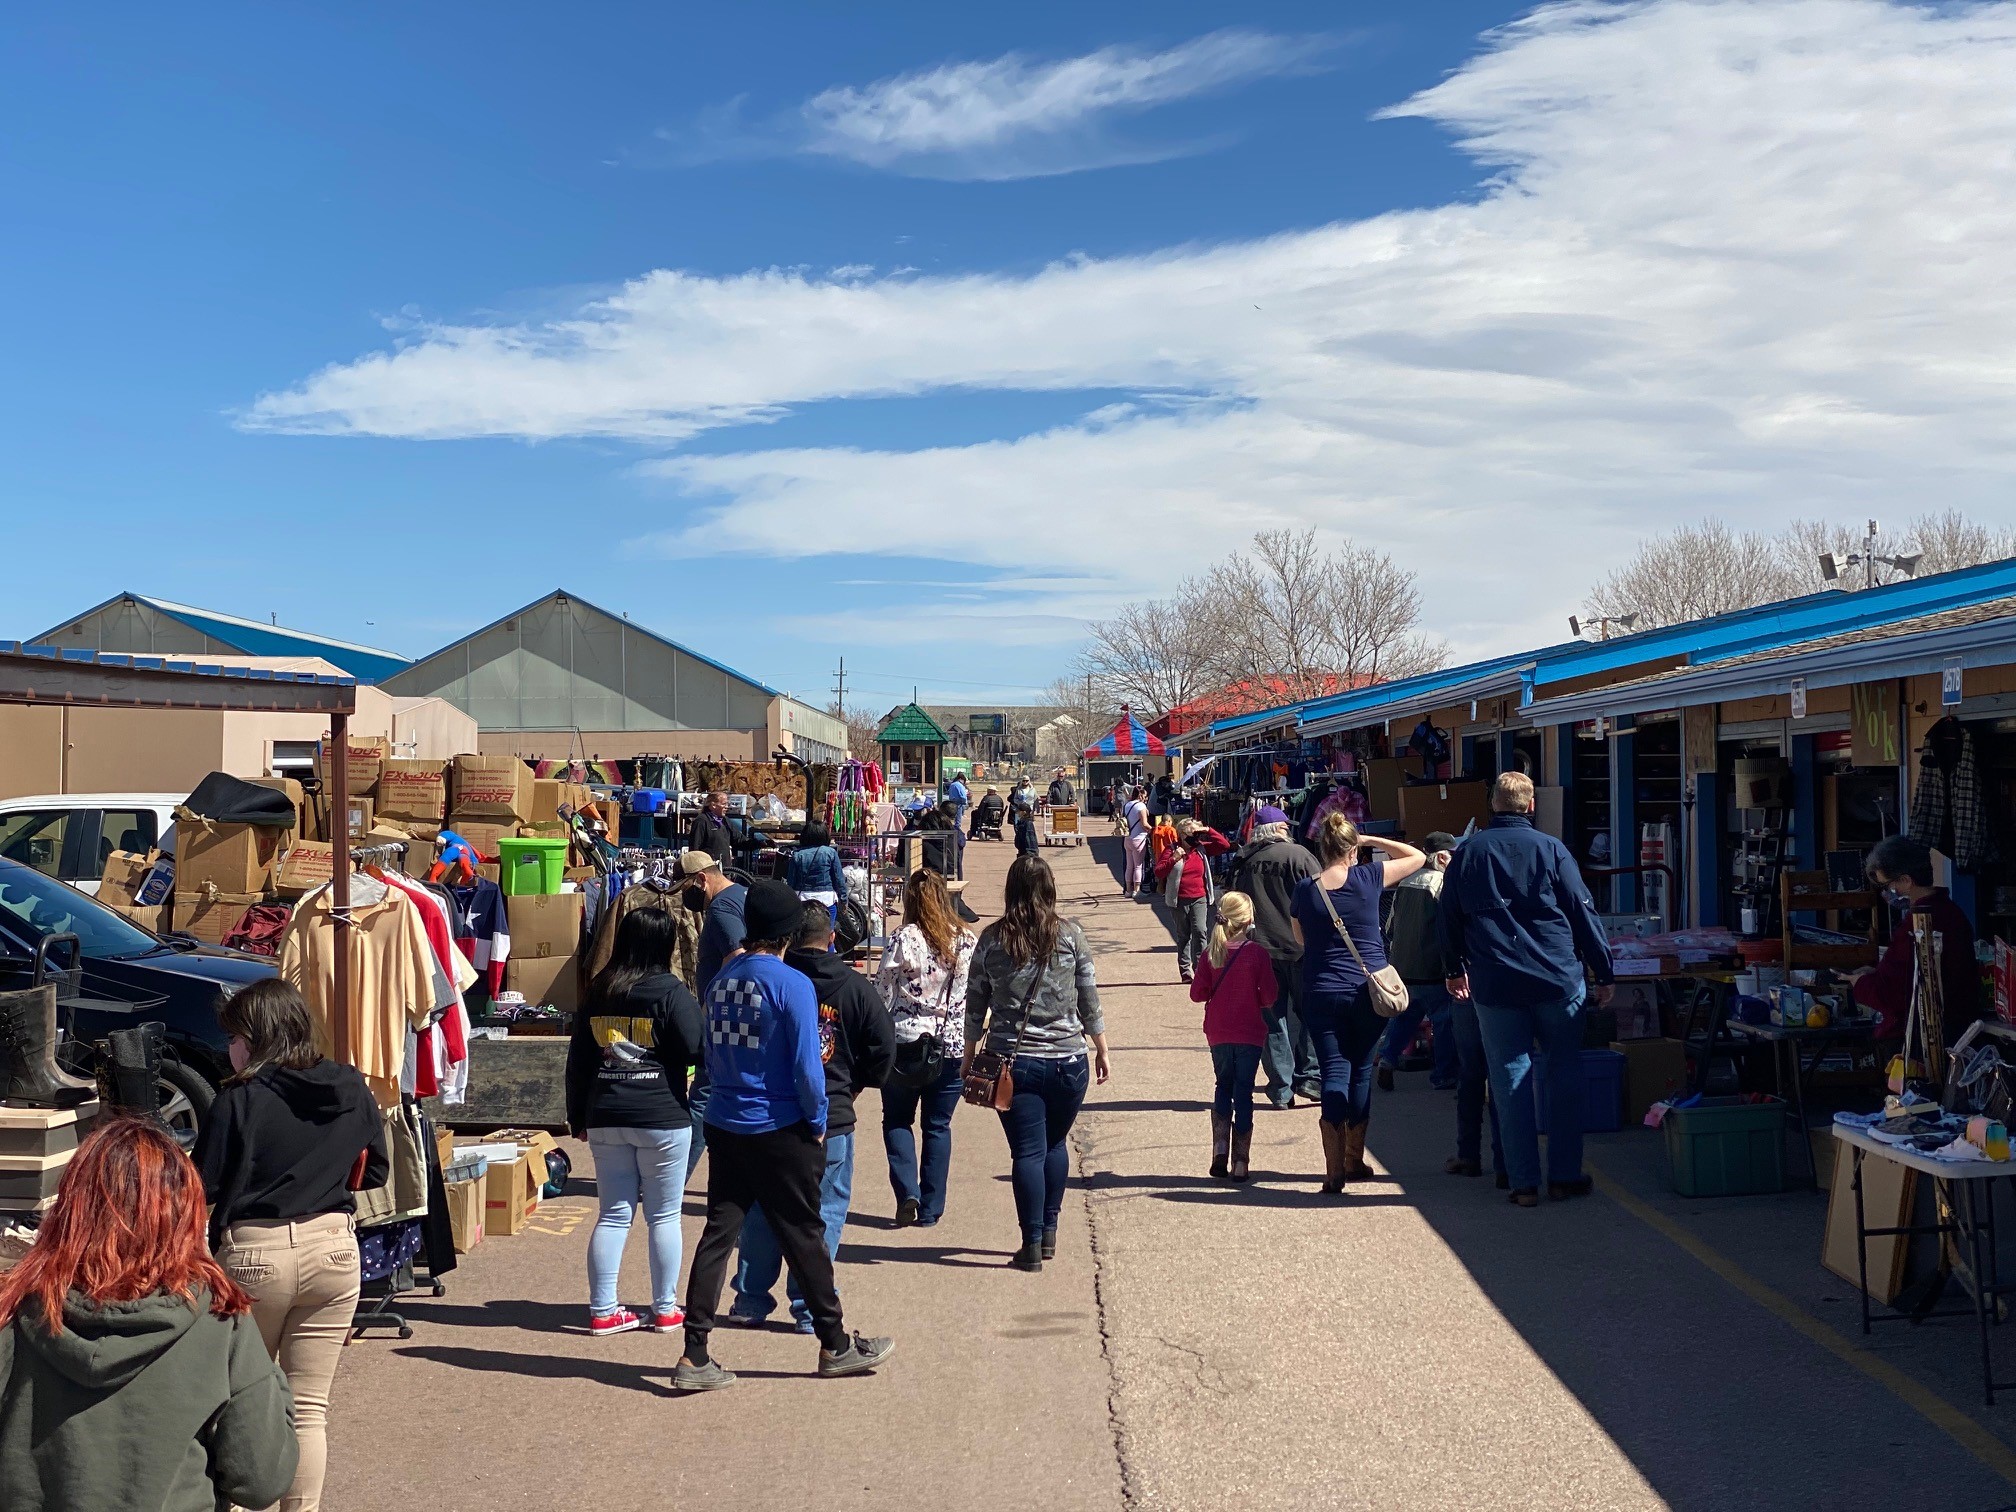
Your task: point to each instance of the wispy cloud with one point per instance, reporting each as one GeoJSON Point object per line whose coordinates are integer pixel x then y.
{"type": "Point", "coordinates": [1005, 118]}
{"type": "Point", "coordinates": [1743, 257]}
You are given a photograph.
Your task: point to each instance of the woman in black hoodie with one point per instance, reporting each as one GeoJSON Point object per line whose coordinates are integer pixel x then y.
{"type": "Point", "coordinates": [290, 1137]}
{"type": "Point", "coordinates": [626, 1095]}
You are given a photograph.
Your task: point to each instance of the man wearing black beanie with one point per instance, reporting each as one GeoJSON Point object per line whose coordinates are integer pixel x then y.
{"type": "Point", "coordinates": [766, 1130]}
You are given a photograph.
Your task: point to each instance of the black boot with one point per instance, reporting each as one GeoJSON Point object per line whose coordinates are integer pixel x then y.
{"type": "Point", "coordinates": [28, 1069]}
{"type": "Point", "coordinates": [129, 1069]}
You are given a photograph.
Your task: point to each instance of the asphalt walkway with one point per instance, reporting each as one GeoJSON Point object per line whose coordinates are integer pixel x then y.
{"type": "Point", "coordinates": [1418, 1344]}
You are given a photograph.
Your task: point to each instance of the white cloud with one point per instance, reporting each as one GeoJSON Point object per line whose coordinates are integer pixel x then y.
{"type": "Point", "coordinates": [1742, 257]}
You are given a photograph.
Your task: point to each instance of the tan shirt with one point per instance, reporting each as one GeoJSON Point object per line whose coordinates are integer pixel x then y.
{"type": "Point", "coordinates": [391, 983]}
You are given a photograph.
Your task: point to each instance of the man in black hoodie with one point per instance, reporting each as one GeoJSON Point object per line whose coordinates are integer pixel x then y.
{"type": "Point", "coordinates": [1269, 870]}
{"type": "Point", "coordinates": [857, 1041]}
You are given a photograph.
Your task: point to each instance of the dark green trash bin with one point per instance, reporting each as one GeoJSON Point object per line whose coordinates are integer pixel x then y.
{"type": "Point", "coordinates": [1726, 1147]}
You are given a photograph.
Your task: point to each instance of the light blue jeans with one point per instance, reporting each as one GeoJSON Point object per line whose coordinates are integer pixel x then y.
{"type": "Point", "coordinates": [634, 1164]}
{"type": "Point", "coordinates": [763, 1257]}
{"type": "Point", "coordinates": [1511, 1036]}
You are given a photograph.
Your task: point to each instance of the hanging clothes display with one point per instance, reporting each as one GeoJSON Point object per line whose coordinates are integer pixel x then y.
{"type": "Point", "coordinates": [391, 971]}
{"type": "Point", "coordinates": [438, 1058]}
{"type": "Point", "coordinates": [482, 932]}
{"type": "Point", "coordinates": [1946, 808]}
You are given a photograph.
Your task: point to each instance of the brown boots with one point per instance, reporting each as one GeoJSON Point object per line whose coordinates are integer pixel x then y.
{"type": "Point", "coordinates": [1242, 1154]}
{"type": "Point", "coordinates": [1343, 1155]}
{"type": "Point", "coordinates": [1221, 1144]}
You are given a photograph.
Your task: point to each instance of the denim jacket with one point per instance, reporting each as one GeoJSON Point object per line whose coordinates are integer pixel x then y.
{"type": "Point", "coordinates": [1517, 917]}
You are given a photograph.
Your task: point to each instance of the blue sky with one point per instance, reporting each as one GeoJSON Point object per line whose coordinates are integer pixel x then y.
{"type": "Point", "coordinates": [918, 333]}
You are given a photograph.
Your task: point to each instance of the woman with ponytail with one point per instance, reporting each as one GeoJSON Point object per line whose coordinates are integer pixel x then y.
{"type": "Point", "coordinates": [1336, 917]}
{"type": "Point", "coordinates": [1235, 983]}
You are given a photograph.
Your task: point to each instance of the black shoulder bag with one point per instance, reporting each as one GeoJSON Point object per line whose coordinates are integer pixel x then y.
{"type": "Point", "coordinates": [920, 1062]}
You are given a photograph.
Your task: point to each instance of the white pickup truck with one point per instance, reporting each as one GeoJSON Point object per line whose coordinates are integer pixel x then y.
{"type": "Point", "coordinates": [69, 836]}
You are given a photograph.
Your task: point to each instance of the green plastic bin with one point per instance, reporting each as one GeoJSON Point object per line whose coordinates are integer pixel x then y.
{"type": "Point", "coordinates": [1727, 1147]}
{"type": "Point", "coordinates": [531, 864]}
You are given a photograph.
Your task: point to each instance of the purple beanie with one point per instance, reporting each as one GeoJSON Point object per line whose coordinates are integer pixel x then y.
{"type": "Point", "coordinates": [1270, 815]}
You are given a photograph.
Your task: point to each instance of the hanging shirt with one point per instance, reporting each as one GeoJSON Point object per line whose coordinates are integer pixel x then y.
{"type": "Point", "coordinates": [482, 933]}
{"type": "Point", "coordinates": [391, 982]}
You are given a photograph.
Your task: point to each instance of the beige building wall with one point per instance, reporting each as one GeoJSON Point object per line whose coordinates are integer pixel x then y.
{"type": "Point", "coordinates": [31, 750]}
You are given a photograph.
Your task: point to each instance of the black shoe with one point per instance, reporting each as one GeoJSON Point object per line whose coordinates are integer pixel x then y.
{"type": "Point", "coordinates": [1310, 1094]}
{"type": "Point", "coordinates": [1526, 1197]}
{"type": "Point", "coordinates": [1384, 1076]}
{"type": "Point", "coordinates": [1028, 1258]}
{"type": "Point", "coordinates": [1504, 1182]}
{"type": "Point", "coordinates": [708, 1377]}
{"type": "Point", "coordinates": [1561, 1191]}
{"type": "Point", "coordinates": [1049, 1246]}
{"type": "Point", "coordinates": [862, 1353]}
{"type": "Point", "coordinates": [1463, 1167]}
{"type": "Point", "coordinates": [906, 1213]}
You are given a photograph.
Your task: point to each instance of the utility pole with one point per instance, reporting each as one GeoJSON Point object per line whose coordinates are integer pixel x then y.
{"type": "Point", "coordinates": [840, 689]}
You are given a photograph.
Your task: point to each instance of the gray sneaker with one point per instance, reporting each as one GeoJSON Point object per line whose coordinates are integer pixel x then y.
{"type": "Point", "coordinates": [708, 1377]}
{"type": "Point", "coordinates": [860, 1354]}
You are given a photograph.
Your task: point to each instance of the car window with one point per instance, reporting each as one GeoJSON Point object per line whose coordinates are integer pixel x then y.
{"type": "Point", "coordinates": [36, 905]}
{"type": "Point", "coordinates": [121, 830]}
{"type": "Point", "coordinates": [34, 837]}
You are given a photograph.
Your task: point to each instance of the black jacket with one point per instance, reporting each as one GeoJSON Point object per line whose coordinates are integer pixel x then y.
{"type": "Point", "coordinates": [627, 1060]}
{"type": "Point", "coordinates": [1517, 918]}
{"type": "Point", "coordinates": [1268, 871]}
{"type": "Point", "coordinates": [1060, 792]}
{"type": "Point", "coordinates": [712, 836]}
{"type": "Point", "coordinates": [282, 1145]}
{"type": "Point", "coordinates": [857, 1038]}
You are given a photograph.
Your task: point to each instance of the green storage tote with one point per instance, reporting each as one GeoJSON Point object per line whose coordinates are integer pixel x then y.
{"type": "Point", "coordinates": [1726, 1147]}
{"type": "Point", "coordinates": [531, 864]}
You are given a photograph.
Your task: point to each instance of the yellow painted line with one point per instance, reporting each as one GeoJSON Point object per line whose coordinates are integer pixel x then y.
{"type": "Point", "coordinates": [1928, 1404]}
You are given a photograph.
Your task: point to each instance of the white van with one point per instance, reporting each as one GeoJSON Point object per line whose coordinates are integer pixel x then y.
{"type": "Point", "coordinates": [69, 836]}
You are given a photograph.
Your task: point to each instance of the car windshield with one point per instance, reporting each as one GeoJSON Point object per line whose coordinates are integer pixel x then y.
{"type": "Point", "coordinates": [41, 906]}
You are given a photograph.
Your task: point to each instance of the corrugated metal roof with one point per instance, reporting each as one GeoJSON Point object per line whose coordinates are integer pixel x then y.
{"type": "Point", "coordinates": [912, 726]}
{"type": "Point", "coordinates": [257, 638]}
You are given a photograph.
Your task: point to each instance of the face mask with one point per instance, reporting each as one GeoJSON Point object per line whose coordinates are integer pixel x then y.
{"type": "Point", "coordinates": [1895, 898]}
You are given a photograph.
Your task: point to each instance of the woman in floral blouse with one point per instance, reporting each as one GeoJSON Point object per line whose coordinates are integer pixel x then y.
{"type": "Point", "coordinates": [923, 977]}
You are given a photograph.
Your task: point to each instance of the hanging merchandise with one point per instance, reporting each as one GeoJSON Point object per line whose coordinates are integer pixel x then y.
{"type": "Point", "coordinates": [1655, 848]}
{"type": "Point", "coordinates": [1947, 811]}
{"type": "Point", "coordinates": [482, 930]}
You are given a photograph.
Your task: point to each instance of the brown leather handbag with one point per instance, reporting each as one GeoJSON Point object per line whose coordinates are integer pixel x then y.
{"type": "Point", "coordinates": [990, 1077]}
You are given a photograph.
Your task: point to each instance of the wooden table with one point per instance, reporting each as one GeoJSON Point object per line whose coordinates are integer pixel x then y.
{"type": "Point", "coordinates": [1968, 1187]}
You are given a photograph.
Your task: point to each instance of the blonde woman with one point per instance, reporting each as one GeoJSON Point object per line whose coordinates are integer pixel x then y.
{"type": "Point", "coordinates": [1235, 983]}
{"type": "Point", "coordinates": [1343, 900]}
{"type": "Point", "coordinates": [923, 977]}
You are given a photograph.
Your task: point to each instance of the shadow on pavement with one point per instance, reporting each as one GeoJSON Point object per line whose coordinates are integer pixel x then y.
{"type": "Point", "coordinates": [921, 1254]}
{"type": "Point", "coordinates": [551, 1367]}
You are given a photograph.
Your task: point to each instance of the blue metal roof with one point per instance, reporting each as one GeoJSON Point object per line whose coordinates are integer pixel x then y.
{"type": "Point", "coordinates": [173, 664]}
{"type": "Point", "coordinates": [248, 637]}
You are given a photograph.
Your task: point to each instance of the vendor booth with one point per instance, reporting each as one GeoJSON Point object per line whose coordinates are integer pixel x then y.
{"type": "Point", "coordinates": [1115, 759]}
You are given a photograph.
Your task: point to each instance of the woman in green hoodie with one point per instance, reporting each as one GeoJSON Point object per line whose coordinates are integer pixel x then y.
{"type": "Point", "coordinates": [131, 1374]}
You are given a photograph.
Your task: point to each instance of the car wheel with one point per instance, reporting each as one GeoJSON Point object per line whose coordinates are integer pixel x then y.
{"type": "Point", "coordinates": [185, 1101]}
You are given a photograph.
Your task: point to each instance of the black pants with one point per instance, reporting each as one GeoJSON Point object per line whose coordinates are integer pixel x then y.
{"type": "Point", "coordinates": [779, 1172]}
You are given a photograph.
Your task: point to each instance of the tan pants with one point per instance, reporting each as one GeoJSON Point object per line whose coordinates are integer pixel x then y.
{"type": "Point", "coordinates": [304, 1281]}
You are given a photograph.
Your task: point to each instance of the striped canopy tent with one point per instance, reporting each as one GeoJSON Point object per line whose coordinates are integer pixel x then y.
{"type": "Point", "coordinates": [1126, 738]}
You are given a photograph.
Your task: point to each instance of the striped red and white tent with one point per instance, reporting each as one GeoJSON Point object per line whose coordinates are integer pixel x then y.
{"type": "Point", "coordinates": [1128, 737]}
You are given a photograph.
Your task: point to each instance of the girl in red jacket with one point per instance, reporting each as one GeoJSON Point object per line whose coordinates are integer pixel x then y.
{"type": "Point", "coordinates": [1235, 983]}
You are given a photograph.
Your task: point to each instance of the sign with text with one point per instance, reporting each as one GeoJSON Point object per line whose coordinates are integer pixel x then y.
{"type": "Point", "coordinates": [1873, 723]}
{"type": "Point", "coordinates": [1798, 698]}
{"type": "Point", "coordinates": [986, 724]}
{"type": "Point", "coordinates": [1950, 684]}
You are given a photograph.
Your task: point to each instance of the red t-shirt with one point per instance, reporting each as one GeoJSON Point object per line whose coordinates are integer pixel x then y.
{"type": "Point", "coordinates": [1236, 998]}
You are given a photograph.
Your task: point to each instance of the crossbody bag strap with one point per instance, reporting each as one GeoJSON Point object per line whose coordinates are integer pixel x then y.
{"type": "Point", "coordinates": [1349, 943]}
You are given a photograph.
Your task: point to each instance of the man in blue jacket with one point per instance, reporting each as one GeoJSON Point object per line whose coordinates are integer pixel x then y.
{"type": "Point", "coordinates": [766, 1135]}
{"type": "Point", "coordinates": [1522, 931]}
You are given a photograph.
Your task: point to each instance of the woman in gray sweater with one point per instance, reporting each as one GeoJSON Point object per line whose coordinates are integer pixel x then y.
{"type": "Point", "coordinates": [1033, 993]}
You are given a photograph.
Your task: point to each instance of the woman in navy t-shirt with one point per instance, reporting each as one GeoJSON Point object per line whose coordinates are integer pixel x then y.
{"type": "Point", "coordinates": [1336, 1004]}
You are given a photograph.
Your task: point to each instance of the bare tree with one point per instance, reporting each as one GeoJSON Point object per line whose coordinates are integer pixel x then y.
{"type": "Point", "coordinates": [1157, 653]}
{"type": "Point", "coordinates": [862, 728]}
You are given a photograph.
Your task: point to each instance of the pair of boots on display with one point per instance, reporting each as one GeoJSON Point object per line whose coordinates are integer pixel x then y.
{"type": "Point", "coordinates": [129, 1060]}
{"type": "Point", "coordinates": [1343, 1155]}
{"type": "Point", "coordinates": [1231, 1150]}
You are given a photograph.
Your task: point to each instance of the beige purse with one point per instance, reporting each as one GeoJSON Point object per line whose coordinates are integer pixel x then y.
{"type": "Point", "coordinates": [1389, 993]}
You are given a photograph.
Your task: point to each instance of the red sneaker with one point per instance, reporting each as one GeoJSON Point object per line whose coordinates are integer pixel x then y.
{"type": "Point", "coordinates": [620, 1321]}
{"type": "Point", "coordinates": [666, 1322]}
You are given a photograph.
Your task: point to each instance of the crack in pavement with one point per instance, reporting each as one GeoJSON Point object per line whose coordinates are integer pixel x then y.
{"type": "Point", "coordinates": [1116, 1420]}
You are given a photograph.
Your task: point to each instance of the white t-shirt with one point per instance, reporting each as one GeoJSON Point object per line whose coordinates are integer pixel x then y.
{"type": "Point", "coordinates": [1137, 819]}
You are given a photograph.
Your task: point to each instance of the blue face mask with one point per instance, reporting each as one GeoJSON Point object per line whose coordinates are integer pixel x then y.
{"type": "Point", "coordinates": [1895, 898]}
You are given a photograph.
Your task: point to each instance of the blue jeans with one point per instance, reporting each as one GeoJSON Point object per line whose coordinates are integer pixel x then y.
{"type": "Point", "coordinates": [1048, 1094]}
{"type": "Point", "coordinates": [1290, 1061]}
{"type": "Point", "coordinates": [1510, 1037]}
{"type": "Point", "coordinates": [696, 1097]}
{"type": "Point", "coordinates": [900, 1109]}
{"type": "Point", "coordinates": [763, 1257]}
{"type": "Point", "coordinates": [1472, 1078]}
{"type": "Point", "coordinates": [1346, 1032]}
{"type": "Point", "coordinates": [1235, 1067]}
{"type": "Point", "coordinates": [631, 1164]}
{"type": "Point", "coordinates": [1429, 1000]}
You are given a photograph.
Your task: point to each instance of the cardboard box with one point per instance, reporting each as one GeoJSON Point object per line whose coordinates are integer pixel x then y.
{"type": "Point", "coordinates": [124, 872]}
{"type": "Point", "coordinates": [547, 795]}
{"type": "Point", "coordinates": [159, 919]}
{"type": "Point", "coordinates": [304, 868]}
{"type": "Point", "coordinates": [483, 833]}
{"type": "Point", "coordinates": [466, 1212]}
{"type": "Point", "coordinates": [413, 790]}
{"type": "Point", "coordinates": [296, 795]}
{"type": "Point", "coordinates": [1382, 785]}
{"type": "Point", "coordinates": [233, 858]}
{"type": "Point", "coordinates": [511, 1189]}
{"type": "Point", "coordinates": [210, 915]}
{"type": "Point", "coordinates": [363, 814]}
{"type": "Point", "coordinates": [544, 926]}
{"type": "Point", "coordinates": [1654, 1070]}
{"type": "Point", "coordinates": [1443, 806]}
{"type": "Point", "coordinates": [498, 788]}
{"type": "Point", "coordinates": [553, 980]}
{"type": "Point", "coordinates": [367, 755]}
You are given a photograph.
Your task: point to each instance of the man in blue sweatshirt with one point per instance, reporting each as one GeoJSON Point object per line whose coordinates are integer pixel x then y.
{"type": "Point", "coordinates": [766, 1131]}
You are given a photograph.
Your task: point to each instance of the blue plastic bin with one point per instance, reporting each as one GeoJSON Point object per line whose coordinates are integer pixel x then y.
{"type": "Point", "coordinates": [1602, 1091]}
{"type": "Point", "coordinates": [647, 800]}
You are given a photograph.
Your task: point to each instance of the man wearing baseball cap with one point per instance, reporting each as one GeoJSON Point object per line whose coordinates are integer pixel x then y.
{"type": "Point", "coordinates": [766, 1133]}
{"type": "Point", "coordinates": [1269, 869]}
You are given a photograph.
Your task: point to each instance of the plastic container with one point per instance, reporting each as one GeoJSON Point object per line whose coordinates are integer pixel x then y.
{"type": "Point", "coordinates": [1726, 1147]}
{"type": "Point", "coordinates": [1602, 1091]}
{"type": "Point", "coordinates": [531, 864]}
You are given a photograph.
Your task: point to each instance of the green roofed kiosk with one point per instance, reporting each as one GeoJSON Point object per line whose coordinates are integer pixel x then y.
{"type": "Point", "coordinates": [912, 745]}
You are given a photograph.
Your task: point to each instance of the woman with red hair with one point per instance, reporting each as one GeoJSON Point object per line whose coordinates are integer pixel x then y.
{"type": "Point", "coordinates": [131, 1375]}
